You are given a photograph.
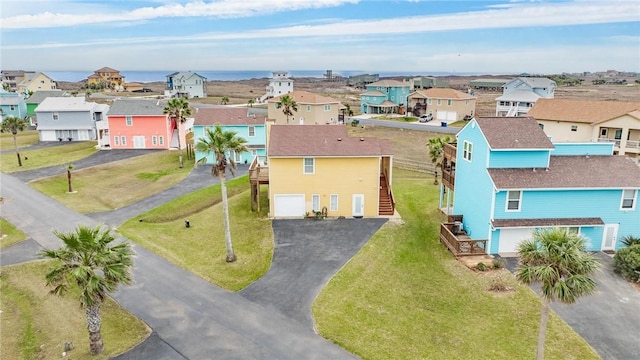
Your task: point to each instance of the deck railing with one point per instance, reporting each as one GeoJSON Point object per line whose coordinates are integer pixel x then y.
{"type": "Point", "coordinates": [460, 244]}
{"type": "Point", "coordinates": [259, 170]}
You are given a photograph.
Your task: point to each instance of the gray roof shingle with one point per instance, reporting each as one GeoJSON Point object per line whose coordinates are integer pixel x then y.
{"type": "Point", "coordinates": [322, 140]}
{"type": "Point", "coordinates": [136, 107]}
{"type": "Point", "coordinates": [227, 116]}
{"type": "Point", "coordinates": [513, 133]}
{"type": "Point", "coordinates": [506, 223]}
{"type": "Point", "coordinates": [572, 172]}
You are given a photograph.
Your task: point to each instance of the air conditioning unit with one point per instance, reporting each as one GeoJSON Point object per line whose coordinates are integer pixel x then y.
{"type": "Point", "coordinates": [457, 227]}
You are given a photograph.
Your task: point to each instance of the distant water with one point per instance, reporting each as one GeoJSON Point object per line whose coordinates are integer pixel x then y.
{"type": "Point", "coordinates": [152, 76]}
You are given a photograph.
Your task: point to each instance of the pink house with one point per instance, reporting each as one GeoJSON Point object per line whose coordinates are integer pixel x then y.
{"type": "Point", "coordinates": [138, 124]}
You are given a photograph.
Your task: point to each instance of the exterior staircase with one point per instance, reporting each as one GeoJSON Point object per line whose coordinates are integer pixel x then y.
{"type": "Point", "coordinates": [386, 202]}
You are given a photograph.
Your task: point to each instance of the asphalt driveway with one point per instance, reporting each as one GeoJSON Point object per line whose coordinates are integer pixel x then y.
{"type": "Point", "coordinates": [307, 254]}
{"type": "Point", "coordinates": [608, 320]}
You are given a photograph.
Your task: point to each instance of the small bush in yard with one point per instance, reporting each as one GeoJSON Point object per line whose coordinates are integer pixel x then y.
{"type": "Point", "coordinates": [627, 262]}
{"type": "Point", "coordinates": [482, 267]}
{"type": "Point", "coordinates": [499, 263]}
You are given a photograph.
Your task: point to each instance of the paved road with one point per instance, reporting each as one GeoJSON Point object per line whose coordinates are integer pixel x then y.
{"type": "Point", "coordinates": [608, 320]}
{"type": "Point", "coordinates": [191, 317]}
{"type": "Point", "coordinates": [405, 125]}
{"type": "Point", "coordinates": [307, 254]}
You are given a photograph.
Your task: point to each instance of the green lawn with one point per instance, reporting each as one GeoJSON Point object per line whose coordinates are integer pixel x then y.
{"type": "Point", "coordinates": [36, 324]}
{"type": "Point", "coordinates": [117, 184]}
{"type": "Point", "coordinates": [24, 138]}
{"type": "Point", "coordinates": [403, 296]}
{"type": "Point", "coordinates": [9, 235]}
{"type": "Point", "coordinates": [201, 248]}
{"type": "Point", "coordinates": [55, 155]}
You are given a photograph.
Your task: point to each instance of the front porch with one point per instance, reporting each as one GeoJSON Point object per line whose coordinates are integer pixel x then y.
{"type": "Point", "coordinates": [457, 241]}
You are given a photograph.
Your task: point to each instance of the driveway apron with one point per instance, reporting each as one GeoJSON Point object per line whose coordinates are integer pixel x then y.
{"type": "Point", "coordinates": [307, 254]}
{"type": "Point", "coordinates": [196, 319]}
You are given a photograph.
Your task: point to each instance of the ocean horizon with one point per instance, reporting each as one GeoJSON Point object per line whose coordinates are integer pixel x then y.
{"type": "Point", "coordinates": [231, 75]}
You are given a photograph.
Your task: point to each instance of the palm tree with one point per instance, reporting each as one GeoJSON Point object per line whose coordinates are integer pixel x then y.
{"type": "Point", "coordinates": [288, 106]}
{"type": "Point", "coordinates": [224, 100]}
{"type": "Point", "coordinates": [556, 258]}
{"type": "Point", "coordinates": [91, 262]}
{"type": "Point", "coordinates": [436, 147]}
{"type": "Point", "coordinates": [219, 142]}
{"type": "Point", "coordinates": [13, 125]}
{"type": "Point", "coordinates": [250, 102]}
{"type": "Point", "coordinates": [178, 109]}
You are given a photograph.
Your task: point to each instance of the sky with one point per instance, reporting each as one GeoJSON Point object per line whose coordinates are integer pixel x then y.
{"type": "Point", "coordinates": [475, 37]}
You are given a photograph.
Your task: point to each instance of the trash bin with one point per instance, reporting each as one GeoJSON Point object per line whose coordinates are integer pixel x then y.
{"type": "Point", "coordinates": [443, 124]}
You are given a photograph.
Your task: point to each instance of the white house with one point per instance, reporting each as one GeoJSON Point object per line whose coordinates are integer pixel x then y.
{"type": "Point", "coordinates": [69, 118]}
{"type": "Point", "coordinates": [279, 84]}
{"type": "Point", "coordinates": [186, 84]}
{"type": "Point", "coordinates": [519, 95]}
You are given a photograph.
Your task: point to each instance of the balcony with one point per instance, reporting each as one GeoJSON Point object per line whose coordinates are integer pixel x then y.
{"type": "Point", "coordinates": [457, 240]}
{"type": "Point", "coordinates": [258, 175]}
{"type": "Point", "coordinates": [449, 165]}
{"type": "Point", "coordinates": [615, 141]}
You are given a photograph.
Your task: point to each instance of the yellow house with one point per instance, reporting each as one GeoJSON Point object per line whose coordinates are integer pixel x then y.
{"type": "Point", "coordinates": [313, 109]}
{"type": "Point", "coordinates": [33, 82]}
{"type": "Point", "coordinates": [318, 169]}
{"type": "Point", "coordinates": [443, 104]}
{"type": "Point", "coordinates": [567, 120]}
{"type": "Point", "coordinates": [106, 77]}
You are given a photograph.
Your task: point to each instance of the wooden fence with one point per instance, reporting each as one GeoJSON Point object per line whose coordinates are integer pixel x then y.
{"type": "Point", "coordinates": [412, 165]}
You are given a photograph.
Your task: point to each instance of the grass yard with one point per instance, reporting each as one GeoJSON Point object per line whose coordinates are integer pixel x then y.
{"type": "Point", "coordinates": [9, 234]}
{"type": "Point", "coordinates": [24, 138]}
{"type": "Point", "coordinates": [403, 296]}
{"type": "Point", "coordinates": [36, 324]}
{"type": "Point", "coordinates": [117, 184]}
{"type": "Point", "coordinates": [49, 156]}
{"type": "Point", "coordinates": [201, 248]}
{"type": "Point", "coordinates": [406, 144]}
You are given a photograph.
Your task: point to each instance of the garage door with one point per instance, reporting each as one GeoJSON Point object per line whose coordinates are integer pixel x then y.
{"type": "Point", "coordinates": [511, 238]}
{"type": "Point", "coordinates": [446, 115]}
{"type": "Point", "coordinates": [289, 205]}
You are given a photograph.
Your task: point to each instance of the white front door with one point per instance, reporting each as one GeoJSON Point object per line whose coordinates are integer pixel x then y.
{"type": "Point", "coordinates": [358, 205]}
{"type": "Point", "coordinates": [609, 237]}
{"type": "Point", "coordinates": [138, 142]}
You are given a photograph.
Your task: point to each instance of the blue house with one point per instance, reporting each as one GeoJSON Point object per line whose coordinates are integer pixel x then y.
{"type": "Point", "coordinates": [509, 179]}
{"type": "Point", "coordinates": [384, 97]}
{"type": "Point", "coordinates": [242, 121]}
{"type": "Point", "coordinates": [12, 104]}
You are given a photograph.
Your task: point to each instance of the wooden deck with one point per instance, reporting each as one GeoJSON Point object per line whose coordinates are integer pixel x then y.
{"type": "Point", "coordinates": [459, 243]}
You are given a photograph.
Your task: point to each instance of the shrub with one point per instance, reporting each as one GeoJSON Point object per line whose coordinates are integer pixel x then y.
{"type": "Point", "coordinates": [627, 262]}
{"type": "Point", "coordinates": [482, 267]}
{"type": "Point", "coordinates": [499, 263]}
{"type": "Point", "coordinates": [631, 240]}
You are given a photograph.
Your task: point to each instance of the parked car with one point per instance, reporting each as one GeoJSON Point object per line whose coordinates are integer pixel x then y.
{"type": "Point", "coordinates": [425, 118]}
{"type": "Point", "coordinates": [143, 90]}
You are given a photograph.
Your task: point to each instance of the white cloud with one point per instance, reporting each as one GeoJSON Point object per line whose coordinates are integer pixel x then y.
{"type": "Point", "coordinates": [220, 9]}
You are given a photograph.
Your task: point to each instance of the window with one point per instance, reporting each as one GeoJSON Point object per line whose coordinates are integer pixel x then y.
{"type": "Point", "coordinates": [327, 108]}
{"type": "Point", "coordinates": [309, 108]}
{"type": "Point", "coordinates": [123, 140]}
{"type": "Point", "coordinates": [449, 102]}
{"type": "Point", "coordinates": [55, 116]}
{"type": "Point", "coordinates": [541, 126]}
{"type": "Point", "coordinates": [618, 134]}
{"type": "Point", "coordinates": [12, 107]}
{"type": "Point", "coordinates": [439, 101]}
{"type": "Point", "coordinates": [116, 140]}
{"type": "Point", "coordinates": [573, 230]}
{"type": "Point", "coordinates": [429, 101]}
{"type": "Point", "coordinates": [252, 131]}
{"type": "Point", "coordinates": [466, 102]}
{"type": "Point", "coordinates": [513, 200]}
{"type": "Point", "coordinates": [467, 149]}
{"type": "Point", "coordinates": [129, 120]}
{"type": "Point", "coordinates": [574, 127]}
{"type": "Point", "coordinates": [334, 202]}
{"type": "Point", "coordinates": [628, 199]}
{"type": "Point", "coordinates": [161, 140]}
{"type": "Point", "coordinates": [603, 132]}
{"type": "Point", "coordinates": [154, 140]}
{"type": "Point", "coordinates": [315, 202]}
{"type": "Point", "coordinates": [309, 165]}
